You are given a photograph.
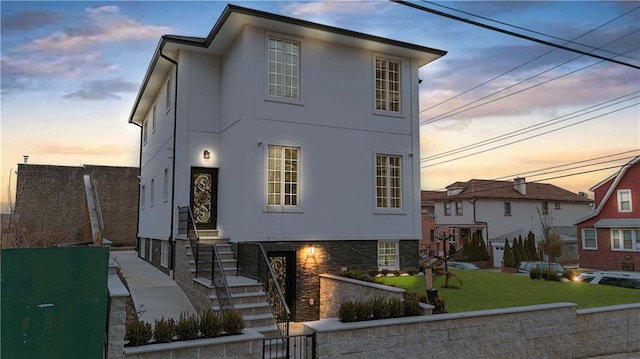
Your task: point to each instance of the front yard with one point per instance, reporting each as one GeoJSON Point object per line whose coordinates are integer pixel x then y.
{"type": "Point", "coordinates": [490, 290]}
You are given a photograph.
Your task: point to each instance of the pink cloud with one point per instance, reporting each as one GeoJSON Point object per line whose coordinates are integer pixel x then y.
{"type": "Point", "coordinates": [334, 7]}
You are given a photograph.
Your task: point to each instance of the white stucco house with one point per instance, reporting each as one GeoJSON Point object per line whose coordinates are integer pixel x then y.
{"type": "Point", "coordinates": [288, 133]}
{"type": "Point", "coordinates": [502, 210]}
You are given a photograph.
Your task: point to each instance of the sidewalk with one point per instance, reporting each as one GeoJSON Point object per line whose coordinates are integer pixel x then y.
{"type": "Point", "coordinates": [155, 294]}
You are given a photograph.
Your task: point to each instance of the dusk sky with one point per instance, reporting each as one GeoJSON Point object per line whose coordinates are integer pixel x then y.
{"type": "Point", "coordinates": [71, 71]}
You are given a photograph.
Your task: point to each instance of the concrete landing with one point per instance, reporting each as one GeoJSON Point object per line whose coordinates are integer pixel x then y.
{"type": "Point", "coordinates": [155, 294]}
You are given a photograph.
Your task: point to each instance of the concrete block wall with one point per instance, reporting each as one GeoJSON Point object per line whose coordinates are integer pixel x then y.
{"type": "Point", "coordinates": [117, 315]}
{"type": "Point", "coordinates": [246, 346]}
{"type": "Point", "coordinates": [606, 330]}
{"type": "Point", "coordinates": [335, 290]}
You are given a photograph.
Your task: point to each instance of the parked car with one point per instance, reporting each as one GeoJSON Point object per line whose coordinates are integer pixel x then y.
{"type": "Point", "coordinates": [462, 265]}
{"type": "Point", "coordinates": [526, 267]}
{"type": "Point", "coordinates": [614, 278]}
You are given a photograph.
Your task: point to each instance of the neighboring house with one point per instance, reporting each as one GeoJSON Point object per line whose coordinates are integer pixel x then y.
{"type": "Point", "coordinates": [497, 209]}
{"type": "Point", "coordinates": [52, 206]}
{"type": "Point", "coordinates": [428, 241]}
{"type": "Point", "coordinates": [609, 238]}
{"type": "Point", "coordinates": [287, 133]}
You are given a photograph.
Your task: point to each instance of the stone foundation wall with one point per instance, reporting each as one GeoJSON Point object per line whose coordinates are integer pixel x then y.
{"type": "Point", "coordinates": [607, 330]}
{"type": "Point", "coordinates": [335, 290]}
{"type": "Point", "coordinates": [197, 293]}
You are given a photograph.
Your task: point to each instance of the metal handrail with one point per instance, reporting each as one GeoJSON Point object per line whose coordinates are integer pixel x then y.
{"type": "Point", "coordinates": [221, 286]}
{"type": "Point", "coordinates": [283, 316]}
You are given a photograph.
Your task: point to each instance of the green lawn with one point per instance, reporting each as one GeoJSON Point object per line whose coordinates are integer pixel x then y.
{"type": "Point", "coordinates": [489, 290]}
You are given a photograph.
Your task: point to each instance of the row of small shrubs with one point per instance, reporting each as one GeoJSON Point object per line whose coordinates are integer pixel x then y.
{"type": "Point", "coordinates": [378, 308]}
{"type": "Point", "coordinates": [210, 325]}
{"type": "Point", "coordinates": [543, 273]}
{"type": "Point", "coordinates": [370, 276]}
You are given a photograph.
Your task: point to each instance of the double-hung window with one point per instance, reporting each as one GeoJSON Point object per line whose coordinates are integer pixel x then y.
{"type": "Point", "coordinates": [458, 208]}
{"type": "Point", "coordinates": [625, 239]}
{"type": "Point", "coordinates": [507, 208]}
{"type": "Point", "coordinates": [387, 84]}
{"type": "Point", "coordinates": [388, 181]}
{"type": "Point", "coordinates": [447, 208]}
{"type": "Point", "coordinates": [388, 255]}
{"type": "Point", "coordinates": [589, 238]}
{"type": "Point", "coordinates": [283, 176]}
{"type": "Point", "coordinates": [624, 200]}
{"type": "Point", "coordinates": [545, 207]}
{"type": "Point", "coordinates": [284, 68]}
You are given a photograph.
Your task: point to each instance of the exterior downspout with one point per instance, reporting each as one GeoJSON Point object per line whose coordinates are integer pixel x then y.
{"type": "Point", "coordinates": [486, 225]}
{"type": "Point", "coordinates": [172, 241]}
{"type": "Point", "coordinates": [139, 179]}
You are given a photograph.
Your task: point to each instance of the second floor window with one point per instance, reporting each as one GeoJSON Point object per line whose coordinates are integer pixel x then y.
{"type": "Point", "coordinates": [387, 85]}
{"type": "Point", "coordinates": [624, 200]}
{"type": "Point", "coordinates": [447, 208]}
{"type": "Point", "coordinates": [144, 132]}
{"type": "Point", "coordinates": [388, 181]}
{"type": "Point", "coordinates": [284, 68]}
{"type": "Point", "coordinates": [458, 208]}
{"type": "Point", "coordinates": [283, 176]}
{"type": "Point", "coordinates": [507, 208]}
{"type": "Point", "coordinates": [545, 207]}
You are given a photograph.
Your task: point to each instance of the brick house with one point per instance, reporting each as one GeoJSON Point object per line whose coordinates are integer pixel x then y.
{"type": "Point", "coordinates": [498, 209]}
{"type": "Point", "coordinates": [286, 133]}
{"type": "Point", "coordinates": [609, 238]}
{"type": "Point", "coordinates": [428, 241]}
{"type": "Point", "coordinates": [52, 207]}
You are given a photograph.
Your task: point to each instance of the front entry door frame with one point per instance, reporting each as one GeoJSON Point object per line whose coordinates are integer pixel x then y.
{"type": "Point", "coordinates": [204, 196]}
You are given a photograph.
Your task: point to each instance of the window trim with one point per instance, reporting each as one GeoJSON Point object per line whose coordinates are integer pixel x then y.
{"type": "Point", "coordinates": [618, 193]}
{"type": "Point", "coordinates": [145, 132]}
{"type": "Point", "coordinates": [461, 212]}
{"type": "Point", "coordinates": [635, 240]}
{"type": "Point", "coordinates": [389, 210]}
{"type": "Point", "coordinates": [396, 265]}
{"type": "Point", "coordinates": [584, 238]}
{"type": "Point", "coordinates": [445, 207]}
{"type": "Point", "coordinates": [152, 192]}
{"type": "Point", "coordinates": [167, 96]}
{"type": "Point", "coordinates": [154, 118]}
{"type": "Point", "coordinates": [143, 196]}
{"type": "Point", "coordinates": [402, 62]}
{"type": "Point", "coordinates": [265, 183]}
{"type": "Point", "coordinates": [282, 99]}
{"type": "Point", "coordinates": [507, 208]}
{"type": "Point", "coordinates": [164, 253]}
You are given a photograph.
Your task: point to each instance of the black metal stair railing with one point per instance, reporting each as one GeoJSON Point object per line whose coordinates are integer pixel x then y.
{"type": "Point", "coordinates": [206, 258]}
{"type": "Point", "coordinates": [254, 263]}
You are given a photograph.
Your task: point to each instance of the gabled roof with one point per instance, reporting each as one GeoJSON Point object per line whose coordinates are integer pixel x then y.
{"type": "Point", "coordinates": [427, 197]}
{"type": "Point", "coordinates": [611, 189]}
{"type": "Point", "coordinates": [233, 19]}
{"type": "Point", "coordinates": [490, 189]}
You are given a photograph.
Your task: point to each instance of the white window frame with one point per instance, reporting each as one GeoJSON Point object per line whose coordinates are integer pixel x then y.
{"type": "Point", "coordinates": [287, 70]}
{"type": "Point", "coordinates": [143, 248]}
{"type": "Point", "coordinates": [584, 239]}
{"type": "Point", "coordinates": [383, 107]}
{"type": "Point", "coordinates": [143, 196]}
{"type": "Point", "coordinates": [618, 239]}
{"type": "Point", "coordinates": [619, 194]}
{"type": "Point", "coordinates": [165, 185]}
{"type": "Point", "coordinates": [164, 253]}
{"type": "Point", "coordinates": [460, 208]}
{"type": "Point", "coordinates": [297, 184]}
{"type": "Point", "coordinates": [388, 260]}
{"type": "Point", "coordinates": [167, 95]}
{"type": "Point", "coordinates": [145, 131]}
{"type": "Point", "coordinates": [392, 203]}
{"type": "Point", "coordinates": [447, 208]}
{"type": "Point", "coordinates": [152, 190]}
{"type": "Point", "coordinates": [153, 119]}
{"type": "Point", "coordinates": [507, 208]}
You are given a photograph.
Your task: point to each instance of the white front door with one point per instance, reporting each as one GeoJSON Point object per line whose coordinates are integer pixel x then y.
{"type": "Point", "coordinates": [498, 254]}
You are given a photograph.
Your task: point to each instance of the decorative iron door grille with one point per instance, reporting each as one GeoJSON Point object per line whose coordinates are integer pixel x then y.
{"type": "Point", "coordinates": [204, 196]}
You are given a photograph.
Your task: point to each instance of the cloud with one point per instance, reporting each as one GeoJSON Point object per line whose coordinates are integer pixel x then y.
{"type": "Point", "coordinates": [332, 7]}
{"type": "Point", "coordinates": [106, 25]}
{"type": "Point", "coordinates": [54, 148]}
{"type": "Point", "coordinates": [29, 20]}
{"type": "Point", "coordinates": [102, 89]}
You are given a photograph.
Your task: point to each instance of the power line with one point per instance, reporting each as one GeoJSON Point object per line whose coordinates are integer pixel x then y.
{"type": "Point", "coordinates": [512, 33]}
{"type": "Point", "coordinates": [448, 113]}
{"type": "Point", "coordinates": [530, 137]}
{"type": "Point", "coordinates": [529, 128]}
{"type": "Point", "coordinates": [544, 34]}
{"type": "Point", "coordinates": [526, 63]}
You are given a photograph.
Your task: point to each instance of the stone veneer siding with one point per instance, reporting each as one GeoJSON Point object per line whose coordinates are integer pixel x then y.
{"type": "Point", "coordinates": [555, 330]}
{"type": "Point", "coordinates": [197, 293]}
{"type": "Point", "coordinates": [335, 290]}
{"type": "Point", "coordinates": [51, 203]}
{"type": "Point", "coordinates": [117, 316]}
{"type": "Point", "coordinates": [330, 258]}
{"type": "Point", "coordinates": [246, 346]}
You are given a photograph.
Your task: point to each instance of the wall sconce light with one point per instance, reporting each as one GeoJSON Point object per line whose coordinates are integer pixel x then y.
{"type": "Point", "coordinates": [312, 249]}
{"type": "Point", "coordinates": [206, 154]}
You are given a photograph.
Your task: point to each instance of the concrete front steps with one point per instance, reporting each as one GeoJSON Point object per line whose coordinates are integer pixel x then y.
{"type": "Point", "coordinates": [248, 296]}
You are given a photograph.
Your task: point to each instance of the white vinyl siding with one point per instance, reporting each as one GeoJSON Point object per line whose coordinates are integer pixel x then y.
{"type": "Point", "coordinates": [388, 255]}
{"type": "Point", "coordinates": [283, 176]}
{"type": "Point", "coordinates": [284, 68]}
{"type": "Point", "coordinates": [589, 238]}
{"type": "Point", "coordinates": [624, 200]}
{"type": "Point", "coordinates": [387, 82]}
{"type": "Point", "coordinates": [388, 181]}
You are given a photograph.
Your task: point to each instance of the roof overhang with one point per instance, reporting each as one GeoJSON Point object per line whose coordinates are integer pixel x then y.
{"type": "Point", "coordinates": [618, 223]}
{"type": "Point", "coordinates": [230, 24]}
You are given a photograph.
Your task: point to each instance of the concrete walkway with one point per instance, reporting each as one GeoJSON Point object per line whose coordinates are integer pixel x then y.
{"type": "Point", "coordinates": [155, 294]}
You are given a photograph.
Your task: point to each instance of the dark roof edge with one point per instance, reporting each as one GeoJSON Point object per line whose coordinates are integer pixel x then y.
{"type": "Point", "coordinates": [229, 9]}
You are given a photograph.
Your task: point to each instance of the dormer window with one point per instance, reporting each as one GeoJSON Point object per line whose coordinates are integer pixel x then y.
{"type": "Point", "coordinates": [624, 200]}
